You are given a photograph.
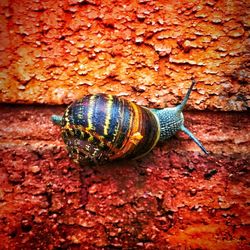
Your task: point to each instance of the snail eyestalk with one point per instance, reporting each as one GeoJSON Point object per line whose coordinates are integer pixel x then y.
{"type": "Point", "coordinates": [183, 103]}
{"type": "Point", "coordinates": [186, 131]}
{"type": "Point", "coordinates": [57, 119]}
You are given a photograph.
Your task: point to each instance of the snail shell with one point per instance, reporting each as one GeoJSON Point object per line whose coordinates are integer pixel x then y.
{"type": "Point", "coordinates": [105, 127]}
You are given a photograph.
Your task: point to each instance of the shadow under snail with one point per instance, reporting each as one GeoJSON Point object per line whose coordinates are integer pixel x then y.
{"type": "Point", "coordinates": [103, 127]}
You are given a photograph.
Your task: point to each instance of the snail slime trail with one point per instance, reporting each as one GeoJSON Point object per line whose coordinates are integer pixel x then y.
{"type": "Point", "coordinates": [101, 127]}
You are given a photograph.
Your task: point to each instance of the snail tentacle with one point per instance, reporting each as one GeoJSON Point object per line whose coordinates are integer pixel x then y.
{"type": "Point", "coordinates": [57, 119]}
{"type": "Point", "coordinates": [189, 133]}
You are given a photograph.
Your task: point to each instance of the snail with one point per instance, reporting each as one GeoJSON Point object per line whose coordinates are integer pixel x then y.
{"type": "Point", "coordinates": [102, 127]}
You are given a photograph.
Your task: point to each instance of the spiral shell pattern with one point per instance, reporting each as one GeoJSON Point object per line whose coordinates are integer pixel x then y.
{"type": "Point", "coordinates": [104, 127]}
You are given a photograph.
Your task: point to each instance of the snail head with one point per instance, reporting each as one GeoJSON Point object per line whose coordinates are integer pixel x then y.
{"type": "Point", "coordinates": [172, 120]}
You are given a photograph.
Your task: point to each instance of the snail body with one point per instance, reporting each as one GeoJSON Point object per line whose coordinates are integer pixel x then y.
{"type": "Point", "coordinates": [104, 127]}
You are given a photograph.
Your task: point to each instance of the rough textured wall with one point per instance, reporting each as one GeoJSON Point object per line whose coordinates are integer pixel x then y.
{"type": "Point", "coordinates": [52, 52]}
{"type": "Point", "coordinates": [57, 51]}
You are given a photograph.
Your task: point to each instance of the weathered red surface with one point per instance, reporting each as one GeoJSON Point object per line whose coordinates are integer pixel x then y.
{"type": "Point", "coordinates": [57, 51]}
{"type": "Point", "coordinates": [53, 52]}
{"type": "Point", "coordinates": [174, 198]}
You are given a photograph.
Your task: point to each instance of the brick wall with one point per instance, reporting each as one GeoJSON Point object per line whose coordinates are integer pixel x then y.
{"type": "Point", "coordinates": [53, 52]}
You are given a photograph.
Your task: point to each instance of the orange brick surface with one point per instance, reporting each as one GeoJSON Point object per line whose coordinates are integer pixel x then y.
{"type": "Point", "coordinates": [57, 51]}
